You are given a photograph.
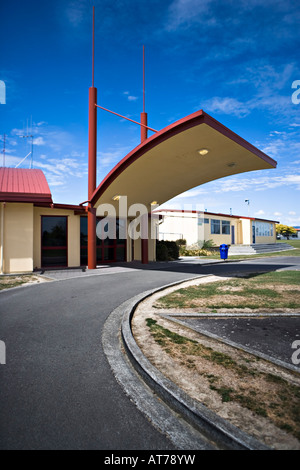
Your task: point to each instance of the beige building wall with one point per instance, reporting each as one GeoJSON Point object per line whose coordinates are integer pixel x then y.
{"type": "Point", "coordinates": [218, 239]}
{"type": "Point", "coordinates": [17, 237]}
{"type": "Point", "coordinates": [153, 231]}
{"type": "Point", "coordinates": [179, 225]}
{"type": "Point", "coordinates": [239, 232]}
{"type": "Point", "coordinates": [270, 232]}
{"type": "Point", "coordinates": [136, 245]}
{"type": "Point", "coordinates": [194, 229]}
{"type": "Point", "coordinates": [73, 223]}
{"type": "Point", "coordinates": [246, 231]}
{"type": "Point", "coordinates": [265, 239]}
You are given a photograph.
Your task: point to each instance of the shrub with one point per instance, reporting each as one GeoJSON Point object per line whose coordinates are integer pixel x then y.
{"type": "Point", "coordinates": [166, 250]}
{"type": "Point", "coordinates": [161, 252]}
{"type": "Point", "coordinates": [208, 244]}
{"type": "Point", "coordinates": [181, 242]}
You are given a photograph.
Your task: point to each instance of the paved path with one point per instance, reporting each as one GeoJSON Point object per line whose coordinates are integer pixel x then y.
{"type": "Point", "coordinates": [272, 336]}
{"type": "Point", "coordinates": [57, 389]}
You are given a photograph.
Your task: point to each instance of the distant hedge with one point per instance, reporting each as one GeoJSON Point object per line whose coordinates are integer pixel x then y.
{"type": "Point", "coordinates": [166, 250]}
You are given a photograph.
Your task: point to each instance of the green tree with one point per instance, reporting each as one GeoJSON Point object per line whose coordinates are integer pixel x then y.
{"type": "Point", "coordinates": [285, 230]}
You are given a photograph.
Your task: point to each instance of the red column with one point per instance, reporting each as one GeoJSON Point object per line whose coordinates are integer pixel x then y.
{"type": "Point", "coordinates": [92, 177]}
{"type": "Point", "coordinates": [145, 259]}
{"type": "Point", "coordinates": [144, 130]}
{"type": "Point", "coordinates": [144, 238]}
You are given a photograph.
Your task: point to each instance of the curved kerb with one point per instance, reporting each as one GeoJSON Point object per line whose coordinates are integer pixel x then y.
{"type": "Point", "coordinates": [223, 433]}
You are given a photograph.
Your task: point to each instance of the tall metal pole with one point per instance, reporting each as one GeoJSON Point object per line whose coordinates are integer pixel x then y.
{"type": "Point", "coordinates": [144, 135]}
{"type": "Point", "coordinates": [31, 161]}
{"type": "Point", "coordinates": [4, 137]}
{"type": "Point", "coordinates": [92, 165]}
{"type": "Point", "coordinates": [144, 130]}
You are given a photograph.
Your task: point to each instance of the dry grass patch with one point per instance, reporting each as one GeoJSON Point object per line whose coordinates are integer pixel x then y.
{"type": "Point", "coordinates": [7, 282]}
{"type": "Point", "coordinates": [236, 378]}
{"type": "Point", "coordinates": [274, 290]}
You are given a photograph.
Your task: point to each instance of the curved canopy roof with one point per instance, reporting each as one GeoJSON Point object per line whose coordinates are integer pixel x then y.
{"type": "Point", "coordinates": [168, 163]}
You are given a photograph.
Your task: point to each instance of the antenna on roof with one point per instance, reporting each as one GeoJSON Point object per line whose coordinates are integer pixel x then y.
{"type": "Point", "coordinates": [143, 79]}
{"type": "Point", "coordinates": [31, 152]}
{"type": "Point", "coordinates": [3, 151]}
{"type": "Point", "coordinates": [27, 136]}
{"type": "Point", "coordinates": [144, 120]}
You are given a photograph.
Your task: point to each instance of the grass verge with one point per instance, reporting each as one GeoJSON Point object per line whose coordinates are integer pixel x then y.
{"type": "Point", "coordinates": [235, 380]}
{"type": "Point", "coordinates": [295, 252]}
{"type": "Point", "coordinates": [7, 282]}
{"type": "Point", "coordinates": [272, 290]}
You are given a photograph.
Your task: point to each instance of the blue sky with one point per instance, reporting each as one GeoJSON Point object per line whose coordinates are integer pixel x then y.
{"type": "Point", "coordinates": [235, 60]}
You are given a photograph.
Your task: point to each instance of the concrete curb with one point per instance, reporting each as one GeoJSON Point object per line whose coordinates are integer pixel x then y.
{"type": "Point", "coordinates": [223, 433]}
{"type": "Point", "coordinates": [181, 435]}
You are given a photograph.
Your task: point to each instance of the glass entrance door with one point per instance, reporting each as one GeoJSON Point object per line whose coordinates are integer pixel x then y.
{"type": "Point", "coordinates": [232, 235]}
{"type": "Point", "coordinates": [253, 232]}
{"type": "Point", "coordinates": [54, 244]}
{"type": "Point", "coordinates": [108, 250]}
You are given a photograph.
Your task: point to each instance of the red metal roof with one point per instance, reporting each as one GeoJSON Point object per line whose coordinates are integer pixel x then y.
{"type": "Point", "coordinates": [23, 185]}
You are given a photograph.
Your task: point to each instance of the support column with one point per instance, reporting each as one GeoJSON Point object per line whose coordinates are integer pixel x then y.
{"type": "Point", "coordinates": [144, 130]}
{"type": "Point", "coordinates": [145, 259]}
{"type": "Point", "coordinates": [92, 177]}
{"type": "Point", "coordinates": [144, 238]}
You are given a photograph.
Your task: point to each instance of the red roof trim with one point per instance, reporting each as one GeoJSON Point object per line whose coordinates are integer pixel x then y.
{"type": "Point", "coordinates": [173, 129]}
{"type": "Point", "coordinates": [67, 207]}
{"type": "Point", "coordinates": [13, 197]}
{"type": "Point", "coordinates": [215, 213]}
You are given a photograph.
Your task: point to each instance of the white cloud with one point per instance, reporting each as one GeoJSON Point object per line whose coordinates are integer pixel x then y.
{"type": "Point", "coordinates": [61, 158]}
{"type": "Point", "coordinates": [112, 156]}
{"type": "Point", "coordinates": [132, 98]}
{"type": "Point", "coordinates": [267, 91]}
{"type": "Point", "coordinates": [260, 212]}
{"type": "Point", "coordinates": [76, 12]}
{"type": "Point", "coordinates": [182, 13]}
{"type": "Point", "coordinates": [38, 141]}
{"type": "Point", "coordinates": [227, 106]}
{"type": "Point", "coordinates": [129, 96]}
{"type": "Point", "coordinates": [192, 193]}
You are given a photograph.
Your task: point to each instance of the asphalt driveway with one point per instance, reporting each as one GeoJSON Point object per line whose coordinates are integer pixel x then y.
{"type": "Point", "coordinates": [57, 389]}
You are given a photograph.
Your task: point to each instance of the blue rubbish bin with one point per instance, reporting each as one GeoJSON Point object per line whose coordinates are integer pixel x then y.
{"type": "Point", "coordinates": [223, 251]}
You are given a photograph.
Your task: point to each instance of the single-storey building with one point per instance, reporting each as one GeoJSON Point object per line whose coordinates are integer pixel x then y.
{"type": "Point", "coordinates": [35, 232]}
{"type": "Point", "coordinates": [199, 226]}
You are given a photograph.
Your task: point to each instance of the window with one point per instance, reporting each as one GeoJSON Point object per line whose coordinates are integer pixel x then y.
{"type": "Point", "coordinates": [215, 226]}
{"type": "Point", "coordinates": [225, 227]}
{"type": "Point", "coordinates": [106, 250]}
{"type": "Point", "coordinates": [54, 241]}
{"type": "Point", "coordinates": [263, 229]}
